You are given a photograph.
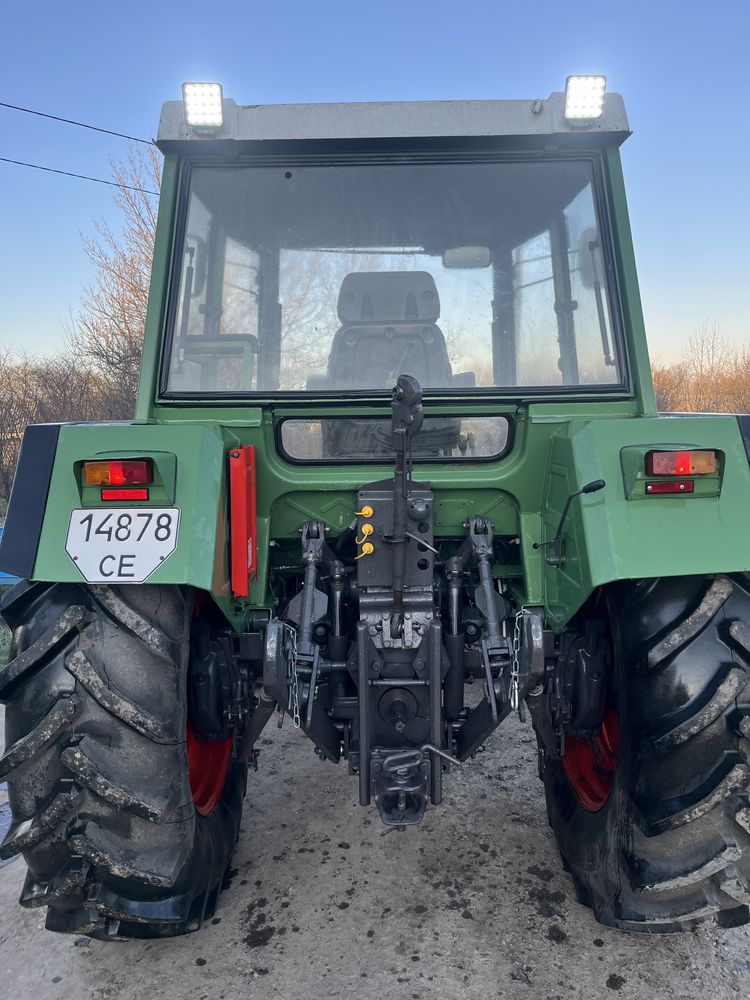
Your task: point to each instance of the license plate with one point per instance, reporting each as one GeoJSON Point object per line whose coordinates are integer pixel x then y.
{"type": "Point", "coordinates": [121, 544]}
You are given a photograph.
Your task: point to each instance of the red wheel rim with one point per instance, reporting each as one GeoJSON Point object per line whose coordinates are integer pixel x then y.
{"type": "Point", "coordinates": [208, 765]}
{"type": "Point", "coordinates": [590, 763]}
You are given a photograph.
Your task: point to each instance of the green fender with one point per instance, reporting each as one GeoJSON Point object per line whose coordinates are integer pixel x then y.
{"type": "Point", "coordinates": [621, 532]}
{"type": "Point", "coordinates": [190, 462]}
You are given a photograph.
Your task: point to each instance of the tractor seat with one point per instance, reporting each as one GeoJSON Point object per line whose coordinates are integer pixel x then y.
{"type": "Point", "coordinates": [388, 327]}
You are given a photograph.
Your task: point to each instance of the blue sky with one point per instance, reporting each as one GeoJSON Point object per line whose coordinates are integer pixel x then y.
{"type": "Point", "coordinates": [682, 68]}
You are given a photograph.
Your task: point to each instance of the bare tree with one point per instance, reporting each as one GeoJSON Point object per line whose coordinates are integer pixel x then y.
{"type": "Point", "coordinates": [108, 333]}
{"type": "Point", "coordinates": [669, 386]}
{"type": "Point", "coordinates": [95, 376]}
{"type": "Point", "coordinates": [43, 390]}
{"type": "Point", "coordinates": [712, 376]}
{"type": "Point", "coordinates": [708, 363]}
{"type": "Point", "coordinates": [740, 380]}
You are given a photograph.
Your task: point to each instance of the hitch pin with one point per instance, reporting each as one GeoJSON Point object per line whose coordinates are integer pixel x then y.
{"type": "Point", "coordinates": [441, 753]}
{"type": "Point", "coordinates": [421, 542]}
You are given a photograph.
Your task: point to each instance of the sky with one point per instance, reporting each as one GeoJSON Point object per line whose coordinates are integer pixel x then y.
{"type": "Point", "coordinates": [682, 68]}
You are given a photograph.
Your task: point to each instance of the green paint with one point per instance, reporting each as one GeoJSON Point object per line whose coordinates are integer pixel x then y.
{"type": "Point", "coordinates": [627, 280]}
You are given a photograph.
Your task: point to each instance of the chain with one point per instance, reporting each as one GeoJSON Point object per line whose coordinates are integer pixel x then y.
{"type": "Point", "coordinates": [293, 687]}
{"type": "Point", "coordinates": [515, 666]}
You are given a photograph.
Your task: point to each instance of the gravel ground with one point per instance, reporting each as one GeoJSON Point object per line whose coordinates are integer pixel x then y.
{"type": "Point", "coordinates": [473, 903]}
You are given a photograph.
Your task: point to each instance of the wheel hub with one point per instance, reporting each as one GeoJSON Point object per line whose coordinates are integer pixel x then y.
{"type": "Point", "coordinates": [208, 766]}
{"type": "Point", "coordinates": [590, 762]}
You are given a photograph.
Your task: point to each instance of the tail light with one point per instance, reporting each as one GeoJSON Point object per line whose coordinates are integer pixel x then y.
{"type": "Point", "coordinates": [680, 463]}
{"type": "Point", "coordinates": [119, 472]}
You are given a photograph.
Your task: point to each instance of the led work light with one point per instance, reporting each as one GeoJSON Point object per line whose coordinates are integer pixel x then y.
{"type": "Point", "coordinates": [203, 104]}
{"type": "Point", "coordinates": [584, 97]}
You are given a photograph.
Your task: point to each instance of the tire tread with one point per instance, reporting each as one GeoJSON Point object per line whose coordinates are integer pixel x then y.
{"type": "Point", "coordinates": [664, 855]}
{"type": "Point", "coordinates": [97, 763]}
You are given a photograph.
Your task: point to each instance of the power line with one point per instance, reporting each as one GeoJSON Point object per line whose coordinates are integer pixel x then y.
{"type": "Point", "coordinates": [81, 177]}
{"type": "Point", "coordinates": [71, 121]}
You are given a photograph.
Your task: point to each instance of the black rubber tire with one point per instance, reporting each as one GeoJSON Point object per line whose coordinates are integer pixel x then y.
{"type": "Point", "coordinates": [96, 762]}
{"type": "Point", "coordinates": [670, 848]}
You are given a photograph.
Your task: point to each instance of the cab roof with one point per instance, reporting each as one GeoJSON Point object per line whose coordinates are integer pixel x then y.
{"type": "Point", "coordinates": [530, 122]}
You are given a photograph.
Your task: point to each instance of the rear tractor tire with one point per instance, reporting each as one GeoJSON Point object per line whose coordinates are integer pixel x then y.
{"type": "Point", "coordinates": [99, 767]}
{"type": "Point", "coordinates": [652, 811]}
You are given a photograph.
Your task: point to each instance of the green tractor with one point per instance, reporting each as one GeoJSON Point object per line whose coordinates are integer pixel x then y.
{"type": "Point", "coordinates": [395, 433]}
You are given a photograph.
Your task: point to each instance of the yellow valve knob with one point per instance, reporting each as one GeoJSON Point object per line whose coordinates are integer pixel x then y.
{"type": "Point", "coordinates": [367, 550]}
{"type": "Point", "coordinates": [367, 529]}
{"type": "Point", "coordinates": [366, 511]}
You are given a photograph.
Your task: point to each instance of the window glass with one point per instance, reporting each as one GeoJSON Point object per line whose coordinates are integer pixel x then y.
{"type": "Point", "coordinates": [369, 438]}
{"type": "Point", "coordinates": [339, 278]}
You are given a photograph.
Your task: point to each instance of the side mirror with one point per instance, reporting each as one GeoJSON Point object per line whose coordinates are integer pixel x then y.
{"type": "Point", "coordinates": [467, 257]}
{"type": "Point", "coordinates": [590, 258]}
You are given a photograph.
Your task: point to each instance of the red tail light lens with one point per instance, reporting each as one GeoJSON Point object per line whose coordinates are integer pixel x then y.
{"type": "Point", "coordinates": [119, 472]}
{"type": "Point", "coordinates": [680, 463]}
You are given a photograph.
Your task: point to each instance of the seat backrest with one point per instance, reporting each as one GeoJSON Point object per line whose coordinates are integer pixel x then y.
{"type": "Point", "coordinates": [388, 328]}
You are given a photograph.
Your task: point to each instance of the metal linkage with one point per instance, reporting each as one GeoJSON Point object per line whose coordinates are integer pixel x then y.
{"type": "Point", "coordinates": [406, 420]}
{"type": "Point", "coordinates": [495, 647]}
{"type": "Point", "coordinates": [436, 709]}
{"type": "Point", "coordinates": [515, 662]}
{"type": "Point", "coordinates": [363, 709]}
{"type": "Point", "coordinates": [291, 653]}
{"type": "Point", "coordinates": [512, 666]}
{"type": "Point", "coordinates": [293, 678]}
{"type": "Point", "coordinates": [313, 545]}
{"type": "Point", "coordinates": [311, 604]}
{"type": "Point", "coordinates": [453, 689]}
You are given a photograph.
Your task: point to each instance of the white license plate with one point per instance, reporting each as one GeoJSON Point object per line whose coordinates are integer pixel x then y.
{"type": "Point", "coordinates": [121, 544]}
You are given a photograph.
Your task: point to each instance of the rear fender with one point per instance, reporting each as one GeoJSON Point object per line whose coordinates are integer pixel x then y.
{"type": "Point", "coordinates": [620, 533]}
{"type": "Point", "coordinates": [191, 460]}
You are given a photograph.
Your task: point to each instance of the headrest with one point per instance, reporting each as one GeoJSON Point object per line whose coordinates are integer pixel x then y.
{"type": "Point", "coordinates": [388, 297]}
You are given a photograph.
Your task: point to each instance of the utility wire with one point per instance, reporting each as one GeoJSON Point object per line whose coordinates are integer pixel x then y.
{"type": "Point", "coordinates": [71, 121]}
{"type": "Point", "coordinates": [82, 177]}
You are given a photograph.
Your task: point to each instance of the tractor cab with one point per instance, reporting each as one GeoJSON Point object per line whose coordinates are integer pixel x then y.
{"type": "Point", "coordinates": [325, 267]}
